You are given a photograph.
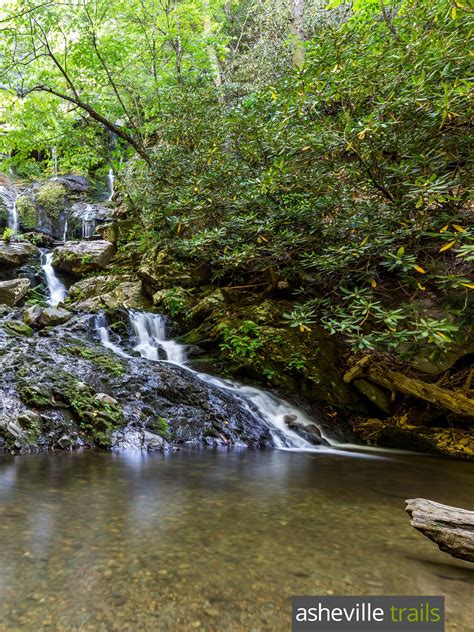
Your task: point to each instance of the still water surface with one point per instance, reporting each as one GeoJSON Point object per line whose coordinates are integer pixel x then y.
{"type": "Point", "coordinates": [216, 540]}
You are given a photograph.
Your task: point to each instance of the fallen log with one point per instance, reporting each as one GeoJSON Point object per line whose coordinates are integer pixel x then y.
{"type": "Point", "coordinates": [451, 528]}
{"type": "Point", "coordinates": [456, 401]}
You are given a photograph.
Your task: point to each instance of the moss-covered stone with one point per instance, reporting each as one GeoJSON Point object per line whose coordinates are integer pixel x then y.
{"type": "Point", "coordinates": [107, 363]}
{"type": "Point", "coordinates": [51, 196]}
{"type": "Point", "coordinates": [28, 213]}
{"type": "Point", "coordinates": [18, 328]}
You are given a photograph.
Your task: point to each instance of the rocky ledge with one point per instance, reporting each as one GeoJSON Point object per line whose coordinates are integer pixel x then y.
{"type": "Point", "coordinates": [60, 389]}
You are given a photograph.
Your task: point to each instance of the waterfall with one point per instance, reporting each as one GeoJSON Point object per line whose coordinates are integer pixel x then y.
{"type": "Point", "coordinates": [102, 329]}
{"type": "Point", "coordinates": [56, 290]}
{"type": "Point", "coordinates": [88, 222]}
{"type": "Point", "coordinates": [111, 180]}
{"type": "Point", "coordinates": [150, 333]}
{"type": "Point", "coordinates": [150, 330]}
{"type": "Point", "coordinates": [65, 229]}
{"type": "Point", "coordinates": [9, 196]}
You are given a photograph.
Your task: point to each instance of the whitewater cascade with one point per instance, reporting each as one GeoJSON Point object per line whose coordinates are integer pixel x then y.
{"type": "Point", "coordinates": [9, 196]}
{"type": "Point", "coordinates": [150, 330]}
{"type": "Point", "coordinates": [102, 329]}
{"type": "Point", "coordinates": [111, 180]}
{"type": "Point", "coordinates": [88, 222]}
{"type": "Point", "coordinates": [150, 334]}
{"type": "Point", "coordinates": [56, 290]}
{"type": "Point", "coordinates": [65, 229]}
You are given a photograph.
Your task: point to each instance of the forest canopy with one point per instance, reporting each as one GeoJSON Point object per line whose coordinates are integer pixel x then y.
{"type": "Point", "coordinates": [320, 149]}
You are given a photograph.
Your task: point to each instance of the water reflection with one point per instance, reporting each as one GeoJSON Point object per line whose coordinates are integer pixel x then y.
{"type": "Point", "coordinates": [215, 540]}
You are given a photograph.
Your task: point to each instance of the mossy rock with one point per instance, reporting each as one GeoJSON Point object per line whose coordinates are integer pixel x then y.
{"type": "Point", "coordinates": [52, 198]}
{"type": "Point", "coordinates": [27, 212]}
{"type": "Point", "coordinates": [18, 328]}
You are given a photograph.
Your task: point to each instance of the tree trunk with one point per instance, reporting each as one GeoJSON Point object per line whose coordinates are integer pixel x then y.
{"type": "Point", "coordinates": [456, 401]}
{"type": "Point", "coordinates": [297, 28]}
{"type": "Point", "coordinates": [451, 528]}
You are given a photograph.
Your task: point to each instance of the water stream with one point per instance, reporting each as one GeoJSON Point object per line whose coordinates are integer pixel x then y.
{"type": "Point", "coordinates": [153, 344]}
{"type": "Point", "coordinates": [9, 197]}
{"type": "Point", "coordinates": [110, 182]}
{"type": "Point", "coordinates": [56, 289]}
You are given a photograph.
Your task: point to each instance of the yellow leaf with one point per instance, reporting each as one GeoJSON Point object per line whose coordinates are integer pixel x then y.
{"type": "Point", "coordinates": [419, 269]}
{"type": "Point", "coordinates": [363, 133]}
{"type": "Point", "coordinates": [400, 251]}
{"type": "Point", "coordinates": [444, 229]}
{"type": "Point", "coordinates": [349, 146]}
{"type": "Point", "coordinates": [274, 96]}
{"type": "Point", "coordinates": [447, 246]}
{"type": "Point", "coordinates": [306, 148]}
{"type": "Point", "coordinates": [421, 287]}
{"type": "Point", "coordinates": [178, 230]}
{"type": "Point", "coordinates": [364, 241]}
{"type": "Point", "coordinates": [469, 285]}
{"type": "Point", "coordinates": [301, 328]}
{"type": "Point", "coordinates": [460, 229]}
{"type": "Point", "coordinates": [263, 238]}
{"type": "Point", "coordinates": [454, 13]}
{"type": "Point", "coordinates": [373, 283]}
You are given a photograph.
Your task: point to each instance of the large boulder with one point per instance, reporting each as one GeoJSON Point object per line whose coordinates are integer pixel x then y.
{"type": "Point", "coordinates": [14, 254]}
{"type": "Point", "coordinates": [128, 294]}
{"type": "Point", "coordinates": [80, 258]}
{"type": "Point", "coordinates": [12, 292]}
{"type": "Point", "coordinates": [52, 316]}
{"type": "Point", "coordinates": [77, 184]}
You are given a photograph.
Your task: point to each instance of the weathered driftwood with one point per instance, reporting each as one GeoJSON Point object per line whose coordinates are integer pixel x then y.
{"type": "Point", "coordinates": [451, 528]}
{"type": "Point", "coordinates": [456, 401]}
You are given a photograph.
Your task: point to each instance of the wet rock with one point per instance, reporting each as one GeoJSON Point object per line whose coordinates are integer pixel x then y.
{"type": "Point", "coordinates": [79, 258]}
{"type": "Point", "coordinates": [52, 316]}
{"type": "Point", "coordinates": [17, 328]}
{"type": "Point", "coordinates": [103, 398]}
{"type": "Point", "coordinates": [77, 184]}
{"type": "Point", "coordinates": [14, 254]}
{"type": "Point", "coordinates": [32, 314]}
{"type": "Point", "coordinates": [84, 393]}
{"type": "Point", "coordinates": [128, 295]}
{"type": "Point", "coordinates": [12, 292]}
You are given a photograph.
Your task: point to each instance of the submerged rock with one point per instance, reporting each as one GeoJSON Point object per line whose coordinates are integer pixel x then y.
{"type": "Point", "coordinates": [12, 292]}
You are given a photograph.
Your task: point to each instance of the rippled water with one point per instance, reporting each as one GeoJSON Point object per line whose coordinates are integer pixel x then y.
{"type": "Point", "coordinates": [216, 540]}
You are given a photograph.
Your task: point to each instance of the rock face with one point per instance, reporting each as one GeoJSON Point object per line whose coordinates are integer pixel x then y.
{"type": "Point", "coordinates": [12, 292]}
{"type": "Point", "coordinates": [52, 316]}
{"type": "Point", "coordinates": [79, 258]}
{"type": "Point", "coordinates": [14, 254]}
{"type": "Point", "coordinates": [65, 390]}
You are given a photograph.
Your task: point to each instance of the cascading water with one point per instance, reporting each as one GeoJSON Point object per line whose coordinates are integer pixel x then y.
{"type": "Point", "coordinates": [65, 229]}
{"type": "Point", "coordinates": [56, 290]}
{"type": "Point", "coordinates": [110, 181]}
{"type": "Point", "coordinates": [88, 222]}
{"type": "Point", "coordinates": [150, 330]}
{"type": "Point", "coordinates": [9, 196]}
{"type": "Point", "coordinates": [102, 329]}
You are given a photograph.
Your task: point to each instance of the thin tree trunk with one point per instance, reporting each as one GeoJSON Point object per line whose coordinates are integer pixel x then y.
{"type": "Point", "coordinates": [211, 52]}
{"type": "Point", "coordinates": [297, 29]}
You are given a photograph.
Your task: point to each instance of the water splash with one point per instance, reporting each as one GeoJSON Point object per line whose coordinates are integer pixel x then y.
{"type": "Point", "coordinates": [102, 329]}
{"type": "Point", "coordinates": [150, 331]}
{"type": "Point", "coordinates": [88, 222]}
{"type": "Point", "coordinates": [9, 197]}
{"type": "Point", "coordinates": [110, 181]}
{"type": "Point", "coordinates": [65, 229]}
{"type": "Point", "coordinates": [56, 289]}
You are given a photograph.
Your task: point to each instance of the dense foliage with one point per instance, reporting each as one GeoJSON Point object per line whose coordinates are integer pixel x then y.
{"type": "Point", "coordinates": [341, 182]}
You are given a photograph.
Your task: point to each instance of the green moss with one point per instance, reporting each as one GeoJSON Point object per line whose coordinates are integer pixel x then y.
{"type": "Point", "coordinates": [103, 361]}
{"type": "Point", "coordinates": [52, 197]}
{"type": "Point", "coordinates": [159, 426]}
{"type": "Point", "coordinates": [18, 328]}
{"type": "Point", "coordinates": [27, 212]}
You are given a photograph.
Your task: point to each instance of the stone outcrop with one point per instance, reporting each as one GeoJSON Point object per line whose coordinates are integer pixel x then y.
{"type": "Point", "coordinates": [80, 258]}
{"type": "Point", "coordinates": [12, 292]}
{"type": "Point", "coordinates": [13, 254]}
